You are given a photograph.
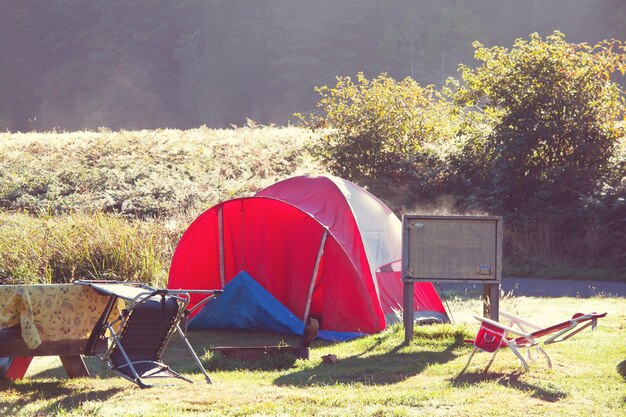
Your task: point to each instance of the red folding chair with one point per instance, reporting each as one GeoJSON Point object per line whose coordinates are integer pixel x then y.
{"type": "Point", "coordinates": [492, 335]}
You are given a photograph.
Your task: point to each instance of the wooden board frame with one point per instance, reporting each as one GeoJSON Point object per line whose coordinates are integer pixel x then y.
{"type": "Point", "coordinates": [491, 281]}
{"type": "Point", "coordinates": [494, 260]}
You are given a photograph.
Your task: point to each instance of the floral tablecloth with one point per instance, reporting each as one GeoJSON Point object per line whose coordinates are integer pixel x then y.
{"type": "Point", "coordinates": [51, 312]}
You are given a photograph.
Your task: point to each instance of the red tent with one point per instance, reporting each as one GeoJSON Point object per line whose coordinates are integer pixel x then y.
{"type": "Point", "coordinates": [322, 246]}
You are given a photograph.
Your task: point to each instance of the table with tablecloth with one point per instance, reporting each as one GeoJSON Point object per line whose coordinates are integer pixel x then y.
{"type": "Point", "coordinates": [62, 316]}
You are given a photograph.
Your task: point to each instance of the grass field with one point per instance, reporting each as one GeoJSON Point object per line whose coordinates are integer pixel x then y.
{"type": "Point", "coordinates": [374, 376]}
{"type": "Point", "coordinates": [114, 204]}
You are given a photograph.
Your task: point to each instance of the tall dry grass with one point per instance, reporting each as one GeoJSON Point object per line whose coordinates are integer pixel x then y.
{"type": "Point", "coordinates": [47, 249]}
{"type": "Point", "coordinates": [63, 248]}
{"type": "Point", "coordinates": [532, 240]}
{"type": "Point", "coordinates": [114, 204]}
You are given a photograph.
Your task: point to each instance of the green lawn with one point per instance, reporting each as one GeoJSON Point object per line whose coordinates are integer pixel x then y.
{"type": "Point", "coordinates": [374, 376]}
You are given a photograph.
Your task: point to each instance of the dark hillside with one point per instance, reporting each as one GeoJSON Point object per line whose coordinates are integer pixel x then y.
{"type": "Point", "coordinates": [147, 65]}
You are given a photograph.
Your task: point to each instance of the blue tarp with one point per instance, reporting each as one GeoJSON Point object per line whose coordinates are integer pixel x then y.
{"type": "Point", "coordinates": [246, 305]}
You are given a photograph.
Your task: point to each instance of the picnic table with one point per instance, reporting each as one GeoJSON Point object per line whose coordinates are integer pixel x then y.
{"type": "Point", "coordinates": [50, 320]}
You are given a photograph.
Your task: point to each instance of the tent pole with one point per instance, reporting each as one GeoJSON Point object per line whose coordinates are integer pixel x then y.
{"type": "Point", "coordinates": [320, 252]}
{"type": "Point", "coordinates": [220, 225]}
{"type": "Point", "coordinates": [243, 241]}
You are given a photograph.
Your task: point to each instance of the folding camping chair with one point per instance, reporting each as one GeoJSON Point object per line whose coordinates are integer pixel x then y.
{"type": "Point", "coordinates": [492, 335]}
{"type": "Point", "coordinates": [138, 337]}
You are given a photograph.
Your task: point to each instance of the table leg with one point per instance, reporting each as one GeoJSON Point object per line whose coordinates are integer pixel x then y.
{"type": "Point", "coordinates": [75, 366]}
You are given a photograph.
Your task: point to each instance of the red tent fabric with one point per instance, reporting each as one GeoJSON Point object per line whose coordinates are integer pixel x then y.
{"type": "Point", "coordinates": [317, 244]}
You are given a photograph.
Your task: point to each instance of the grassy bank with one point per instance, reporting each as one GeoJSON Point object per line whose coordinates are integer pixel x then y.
{"type": "Point", "coordinates": [374, 376]}
{"type": "Point", "coordinates": [113, 204]}
{"type": "Point", "coordinates": [145, 173]}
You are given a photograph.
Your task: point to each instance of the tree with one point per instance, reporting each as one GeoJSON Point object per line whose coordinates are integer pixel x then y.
{"type": "Point", "coordinates": [224, 61]}
{"type": "Point", "coordinates": [554, 112]}
{"type": "Point", "coordinates": [22, 26]}
{"type": "Point", "coordinates": [427, 40]}
{"type": "Point", "coordinates": [310, 44]}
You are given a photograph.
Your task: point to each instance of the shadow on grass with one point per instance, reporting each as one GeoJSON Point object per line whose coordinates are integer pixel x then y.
{"type": "Point", "coordinates": [384, 369]}
{"type": "Point", "coordinates": [95, 366]}
{"type": "Point", "coordinates": [621, 369]}
{"type": "Point", "coordinates": [277, 362]}
{"type": "Point", "coordinates": [215, 361]}
{"type": "Point", "coordinates": [511, 380]}
{"type": "Point", "coordinates": [61, 396]}
{"type": "Point", "coordinates": [211, 338]}
{"type": "Point", "coordinates": [203, 341]}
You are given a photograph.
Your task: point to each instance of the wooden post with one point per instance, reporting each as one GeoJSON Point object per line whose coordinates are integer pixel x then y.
{"type": "Point", "coordinates": [491, 301]}
{"type": "Point", "coordinates": [408, 311]}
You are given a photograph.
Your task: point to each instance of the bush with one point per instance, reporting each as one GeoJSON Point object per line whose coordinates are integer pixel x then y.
{"type": "Point", "coordinates": [148, 173]}
{"type": "Point", "coordinates": [532, 134]}
{"type": "Point", "coordinates": [383, 132]}
{"type": "Point", "coordinates": [549, 161]}
{"type": "Point", "coordinates": [554, 112]}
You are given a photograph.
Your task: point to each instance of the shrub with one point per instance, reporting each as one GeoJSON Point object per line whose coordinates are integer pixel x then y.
{"type": "Point", "coordinates": [554, 112]}
{"type": "Point", "coordinates": [383, 132]}
{"type": "Point", "coordinates": [549, 161]}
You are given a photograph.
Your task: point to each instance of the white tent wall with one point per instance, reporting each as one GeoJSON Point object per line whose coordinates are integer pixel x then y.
{"type": "Point", "coordinates": [381, 230]}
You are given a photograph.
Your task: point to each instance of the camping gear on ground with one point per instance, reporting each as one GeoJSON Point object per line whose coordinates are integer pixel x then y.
{"type": "Point", "coordinates": [310, 246]}
{"type": "Point", "coordinates": [300, 351]}
{"type": "Point", "coordinates": [137, 338]}
{"type": "Point", "coordinates": [493, 336]}
{"type": "Point", "coordinates": [47, 320]}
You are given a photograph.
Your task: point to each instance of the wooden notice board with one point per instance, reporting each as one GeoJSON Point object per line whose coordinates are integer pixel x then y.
{"type": "Point", "coordinates": [452, 248]}
{"type": "Point", "coordinates": [466, 249]}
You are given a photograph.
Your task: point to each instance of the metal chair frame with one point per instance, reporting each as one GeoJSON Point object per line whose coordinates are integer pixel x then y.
{"type": "Point", "coordinates": [136, 294]}
{"type": "Point", "coordinates": [528, 335]}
